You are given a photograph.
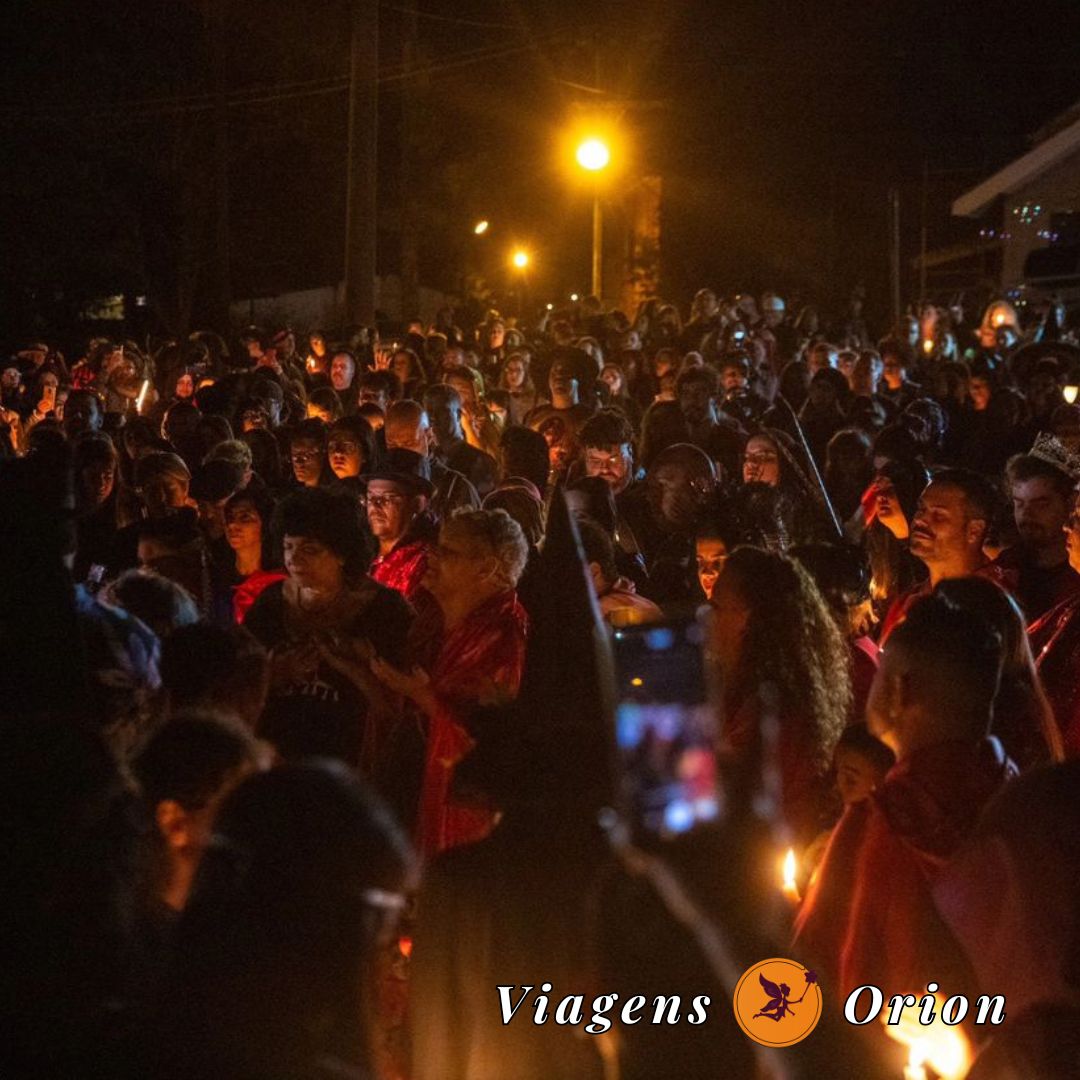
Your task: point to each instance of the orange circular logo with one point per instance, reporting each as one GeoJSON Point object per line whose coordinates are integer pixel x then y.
{"type": "Point", "coordinates": [777, 1002]}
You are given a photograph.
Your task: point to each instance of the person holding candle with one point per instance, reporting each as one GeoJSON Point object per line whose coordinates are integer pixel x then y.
{"type": "Point", "coordinates": [870, 915]}
{"type": "Point", "coordinates": [780, 655]}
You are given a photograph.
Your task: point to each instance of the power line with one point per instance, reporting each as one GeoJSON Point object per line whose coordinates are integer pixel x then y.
{"type": "Point", "coordinates": [454, 19]}
{"type": "Point", "coordinates": [147, 108]}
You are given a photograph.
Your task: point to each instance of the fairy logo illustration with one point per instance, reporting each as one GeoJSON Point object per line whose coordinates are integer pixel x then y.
{"type": "Point", "coordinates": [779, 1004]}
{"type": "Point", "coordinates": [775, 978]}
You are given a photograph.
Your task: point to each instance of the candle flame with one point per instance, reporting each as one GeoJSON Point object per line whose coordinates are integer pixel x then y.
{"type": "Point", "coordinates": [928, 345]}
{"type": "Point", "coordinates": [789, 869]}
{"type": "Point", "coordinates": [1071, 393]}
{"type": "Point", "coordinates": [944, 1049]}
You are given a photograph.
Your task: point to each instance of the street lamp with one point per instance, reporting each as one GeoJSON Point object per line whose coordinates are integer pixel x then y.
{"type": "Point", "coordinates": [520, 258]}
{"type": "Point", "coordinates": [594, 155]}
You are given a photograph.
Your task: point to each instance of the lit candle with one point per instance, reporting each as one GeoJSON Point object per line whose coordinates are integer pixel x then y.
{"type": "Point", "coordinates": [789, 886]}
{"type": "Point", "coordinates": [928, 346]}
{"type": "Point", "coordinates": [142, 395]}
{"type": "Point", "coordinates": [1070, 394]}
{"type": "Point", "coordinates": [934, 1049]}
{"type": "Point", "coordinates": [914, 1070]}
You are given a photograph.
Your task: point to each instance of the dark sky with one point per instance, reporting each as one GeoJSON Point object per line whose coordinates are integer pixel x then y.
{"type": "Point", "coordinates": [777, 127]}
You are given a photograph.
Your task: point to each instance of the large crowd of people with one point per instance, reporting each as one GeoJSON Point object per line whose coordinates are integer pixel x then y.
{"type": "Point", "coordinates": [304, 661]}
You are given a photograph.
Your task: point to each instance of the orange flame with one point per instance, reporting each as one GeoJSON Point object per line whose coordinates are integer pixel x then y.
{"type": "Point", "coordinates": [944, 1049]}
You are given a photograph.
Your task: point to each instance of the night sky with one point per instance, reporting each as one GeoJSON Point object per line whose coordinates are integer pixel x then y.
{"type": "Point", "coordinates": [778, 129]}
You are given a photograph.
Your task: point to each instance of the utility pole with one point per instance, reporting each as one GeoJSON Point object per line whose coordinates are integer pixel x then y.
{"type": "Point", "coordinates": [597, 247]}
{"type": "Point", "coordinates": [894, 253]}
{"type": "Point", "coordinates": [922, 233]}
{"type": "Point", "coordinates": [410, 231]}
{"type": "Point", "coordinates": [219, 261]}
{"type": "Point", "coordinates": [361, 174]}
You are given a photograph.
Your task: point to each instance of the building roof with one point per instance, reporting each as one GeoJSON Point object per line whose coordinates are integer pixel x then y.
{"type": "Point", "coordinates": [1044, 155]}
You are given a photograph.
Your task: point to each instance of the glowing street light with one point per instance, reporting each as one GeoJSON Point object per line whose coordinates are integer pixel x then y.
{"type": "Point", "coordinates": [481, 227]}
{"type": "Point", "coordinates": [520, 259]}
{"type": "Point", "coordinates": [593, 154]}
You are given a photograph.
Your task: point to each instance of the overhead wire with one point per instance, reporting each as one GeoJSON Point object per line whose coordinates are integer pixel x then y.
{"type": "Point", "coordinates": [147, 108]}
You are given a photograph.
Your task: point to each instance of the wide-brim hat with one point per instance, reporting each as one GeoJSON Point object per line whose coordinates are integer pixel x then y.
{"type": "Point", "coordinates": [407, 469]}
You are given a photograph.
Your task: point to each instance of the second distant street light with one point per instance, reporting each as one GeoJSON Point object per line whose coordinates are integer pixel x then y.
{"type": "Point", "coordinates": [593, 155]}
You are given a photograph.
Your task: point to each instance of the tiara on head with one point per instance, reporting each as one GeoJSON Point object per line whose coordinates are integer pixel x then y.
{"type": "Point", "coordinates": [1050, 449]}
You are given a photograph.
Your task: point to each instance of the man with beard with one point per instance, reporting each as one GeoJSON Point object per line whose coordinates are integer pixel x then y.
{"type": "Point", "coordinates": [664, 512]}
{"type": "Point", "coordinates": [1037, 568]}
{"type": "Point", "coordinates": [696, 391]}
{"type": "Point", "coordinates": [947, 536]}
{"type": "Point", "coordinates": [561, 420]}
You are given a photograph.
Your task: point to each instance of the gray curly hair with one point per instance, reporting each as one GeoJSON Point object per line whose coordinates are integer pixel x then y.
{"type": "Point", "coordinates": [500, 533]}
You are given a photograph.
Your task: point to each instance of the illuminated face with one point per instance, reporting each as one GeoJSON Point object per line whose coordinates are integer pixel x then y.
{"type": "Point", "coordinates": [163, 493]}
{"type": "Point", "coordinates": [515, 374]}
{"type": "Point", "coordinates": [401, 366]}
{"type": "Point", "coordinates": [733, 378]}
{"type": "Point", "coordinates": [614, 379]}
{"type": "Point", "coordinates": [1040, 512]}
{"type": "Point", "coordinates": [941, 529]}
{"type": "Point", "coordinates": [98, 481]}
{"type": "Point", "coordinates": [185, 386]}
{"type": "Point", "coordinates": [342, 370]}
{"type": "Point", "coordinates": [496, 335]}
{"type": "Point", "coordinates": [979, 392]}
{"type": "Point", "coordinates": [1072, 537]}
{"type": "Point", "coordinates": [466, 391]}
{"type": "Point", "coordinates": [761, 463]}
{"type": "Point", "coordinates": [312, 565]}
{"type": "Point", "coordinates": [307, 460]}
{"type": "Point", "coordinates": [390, 510]}
{"type": "Point", "coordinates": [243, 526]}
{"type": "Point", "coordinates": [346, 455]}
{"type": "Point", "coordinates": [561, 380]}
{"type": "Point", "coordinates": [458, 564]}
{"type": "Point", "coordinates": [856, 777]}
{"type": "Point", "coordinates": [893, 372]}
{"type": "Point", "coordinates": [712, 555]}
{"type": "Point", "coordinates": [613, 464]}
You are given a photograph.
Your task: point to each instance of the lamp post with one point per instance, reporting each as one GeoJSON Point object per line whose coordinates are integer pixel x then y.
{"type": "Point", "coordinates": [594, 156]}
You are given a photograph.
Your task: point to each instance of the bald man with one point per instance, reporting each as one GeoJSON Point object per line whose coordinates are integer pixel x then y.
{"type": "Point", "coordinates": [870, 916]}
{"type": "Point", "coordinates": [407, 427]}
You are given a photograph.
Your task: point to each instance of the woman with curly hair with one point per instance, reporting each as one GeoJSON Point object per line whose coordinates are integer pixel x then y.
{"type": "Point", "coordinates": [325, 608]}
{"type": "Point", "coordinates": [780, 655]}
{"type": "Point", "coordinates": [780, 493]}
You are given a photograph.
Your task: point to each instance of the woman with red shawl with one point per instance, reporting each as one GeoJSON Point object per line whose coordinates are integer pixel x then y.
{"type": "Point", "coordinates": [472, 653]}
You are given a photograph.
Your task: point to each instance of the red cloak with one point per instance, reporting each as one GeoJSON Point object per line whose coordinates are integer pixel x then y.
{"type": "Point", "coordinates": [870, 916]}
{"type": "Point", "coordinates": [480, 661]}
